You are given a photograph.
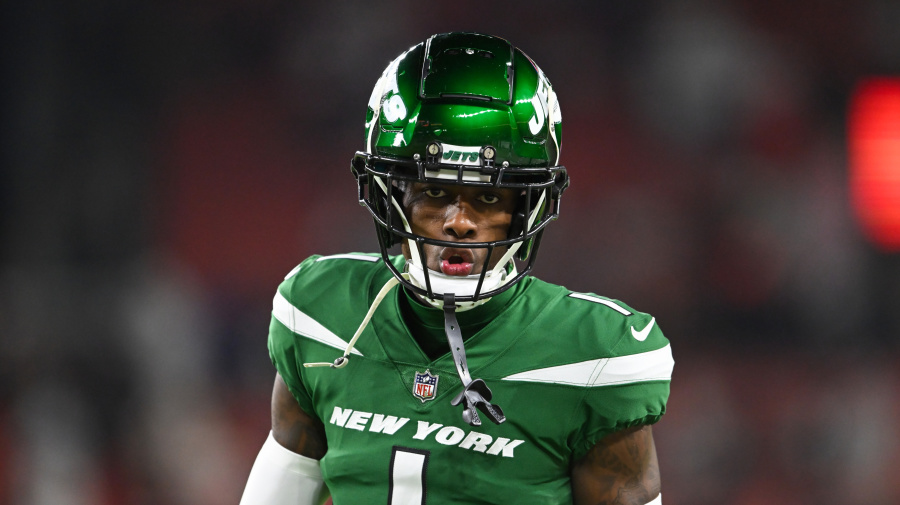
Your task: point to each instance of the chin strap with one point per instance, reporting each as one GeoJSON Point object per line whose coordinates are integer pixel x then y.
{"type": "Point", "coordinates": [475, 393]}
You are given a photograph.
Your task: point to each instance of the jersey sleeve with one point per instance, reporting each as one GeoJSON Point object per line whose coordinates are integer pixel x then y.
{"type": "Point", "coordinates": [283, 349]}
{"type": "Point", "coordinates": [631, 387]}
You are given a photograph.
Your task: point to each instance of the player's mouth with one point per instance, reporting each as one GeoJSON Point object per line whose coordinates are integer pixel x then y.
{"type": "Point", "coordinates": [459, 262]}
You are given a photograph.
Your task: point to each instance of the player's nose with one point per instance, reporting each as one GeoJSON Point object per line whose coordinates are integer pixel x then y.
{"type": "Point", "coordinates": [460, 221]}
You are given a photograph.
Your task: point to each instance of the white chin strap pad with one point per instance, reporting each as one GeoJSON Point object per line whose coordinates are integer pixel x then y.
{"type": "Point", "coordinates": [283, 477]}
{"type": "Point", "coordinates": [459, 286]}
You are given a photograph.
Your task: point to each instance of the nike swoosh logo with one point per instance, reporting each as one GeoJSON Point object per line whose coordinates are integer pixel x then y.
{"type": "Point", "coordinates": [640, 336]}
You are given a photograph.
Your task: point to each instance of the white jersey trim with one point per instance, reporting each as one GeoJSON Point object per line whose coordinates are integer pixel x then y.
{"type": "Point", "coordinates": [334, 257]}
{"type": "Point", "coordinates": [293, 271]}
{"type": "Point", "coordinates": [361, 257]}
{"type": "Point", "coordinates": [647, 366]}
{"type": "Point", "coordinates": [302, 324]}
{"type": "Point", "coordinates": [618, 308]}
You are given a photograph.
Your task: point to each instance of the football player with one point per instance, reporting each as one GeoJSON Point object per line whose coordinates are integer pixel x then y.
{"type": "Point", "coordinates": [446, 373]}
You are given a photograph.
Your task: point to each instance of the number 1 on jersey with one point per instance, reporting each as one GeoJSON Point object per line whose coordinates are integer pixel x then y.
{"type": "Point", "coordinates": [408, 467]}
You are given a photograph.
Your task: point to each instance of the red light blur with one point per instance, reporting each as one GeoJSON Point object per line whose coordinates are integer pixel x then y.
{"type": "Point", "coordinates": [873, 132]}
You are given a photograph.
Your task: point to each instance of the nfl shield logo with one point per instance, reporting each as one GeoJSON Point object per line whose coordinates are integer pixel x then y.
{"type": "Point", "coordinates": [425, 386]}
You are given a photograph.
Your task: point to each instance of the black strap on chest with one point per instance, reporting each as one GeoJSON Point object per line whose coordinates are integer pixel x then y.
{"type": "Point", "coordinates": [475, 393]}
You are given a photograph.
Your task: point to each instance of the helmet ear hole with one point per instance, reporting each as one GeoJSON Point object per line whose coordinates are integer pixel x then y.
{"type": "Point", "coordinates": [396, 222]}
{"type": "Point", "coordinates": [383, 208]}
{"type": "Point", "coordinates": [517, 224]}
{"type": "Point", "coordinates": [524, 250]}
{"type": "Point", "coordinates": [526, 206]}
{"type": "Point", "coordinates": [390, 213]}
{"type": "Point", "coordinates": [516, 228]}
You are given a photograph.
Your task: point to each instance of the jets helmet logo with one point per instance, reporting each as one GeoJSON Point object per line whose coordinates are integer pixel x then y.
{"type": "Point", "coordinates": [425, 386]}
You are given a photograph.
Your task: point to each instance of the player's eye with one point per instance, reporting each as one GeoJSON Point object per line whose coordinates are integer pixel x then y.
{"type": "Point", "coordinates": [489, 198]}
{"type": "Point", "coordinates": [435, 192]}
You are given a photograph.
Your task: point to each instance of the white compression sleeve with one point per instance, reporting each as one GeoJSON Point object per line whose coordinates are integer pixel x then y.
{"type": "Point", "coordinates": [282, 477]}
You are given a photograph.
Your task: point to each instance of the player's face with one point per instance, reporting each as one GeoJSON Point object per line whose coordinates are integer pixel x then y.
{"type": "Point", "coordinates": [459, 214]}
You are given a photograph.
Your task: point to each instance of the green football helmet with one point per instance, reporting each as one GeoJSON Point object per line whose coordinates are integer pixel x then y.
{"type": "Point", "coordinates": [467, 109]}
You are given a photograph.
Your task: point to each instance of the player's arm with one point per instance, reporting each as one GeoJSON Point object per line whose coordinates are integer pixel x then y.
{"type": "Point", "coordinates": [621, 469]}
{"type": "Point", "coordinates": [293, 428]}
{"type": "Point", "coordinates": [286, 471]}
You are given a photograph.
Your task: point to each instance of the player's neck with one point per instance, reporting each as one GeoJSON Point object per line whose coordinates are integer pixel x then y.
{"type": "Point", "coordinates": [426, 323]}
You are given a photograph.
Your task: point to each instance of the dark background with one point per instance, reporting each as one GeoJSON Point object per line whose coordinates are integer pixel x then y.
{"type": "Point", "coordinates": [166, 163]}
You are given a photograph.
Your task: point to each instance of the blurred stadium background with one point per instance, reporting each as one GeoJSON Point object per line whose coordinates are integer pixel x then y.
{"type": "Point", "coordinates": [166, 163]}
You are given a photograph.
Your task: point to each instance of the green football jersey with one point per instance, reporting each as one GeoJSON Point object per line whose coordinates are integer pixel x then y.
{"type": "Point", "coordinates": [566, 368]}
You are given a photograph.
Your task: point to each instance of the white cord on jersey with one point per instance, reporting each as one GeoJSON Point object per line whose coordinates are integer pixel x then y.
{"type": "Point", "coordinates": [343, 360]}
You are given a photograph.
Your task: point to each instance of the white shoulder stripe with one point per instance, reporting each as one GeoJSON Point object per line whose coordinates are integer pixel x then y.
{"type": "Point", "coordinates": [360, 257]}
{"type": "Point", "coordinates": [647, 366]}
{"type": "Point", "coordinates": [602, 301]}
{"type": "Point", "coordinates": [293, 271]}
{"type": "Point", "coordinates": [301, 324]}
